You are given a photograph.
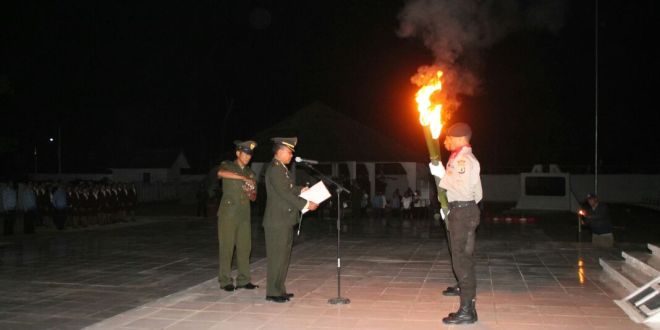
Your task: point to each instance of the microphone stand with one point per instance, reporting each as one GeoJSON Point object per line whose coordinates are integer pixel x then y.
{"type": "Point", "coordinates": [339, 189]}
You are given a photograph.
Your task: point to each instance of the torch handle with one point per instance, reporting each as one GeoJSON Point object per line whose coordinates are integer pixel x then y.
{"type": "Point", "coordinates": [433, 146]}
{"type": "Point", "coordinates": [442, 193]}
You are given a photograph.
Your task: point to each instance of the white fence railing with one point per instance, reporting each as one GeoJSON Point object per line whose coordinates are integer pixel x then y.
{"type": "Point", "coordinates": [167, 191]}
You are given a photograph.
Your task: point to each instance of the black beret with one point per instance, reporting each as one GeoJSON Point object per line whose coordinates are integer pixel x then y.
{"type": "Point", "coordinates": [459, 129]}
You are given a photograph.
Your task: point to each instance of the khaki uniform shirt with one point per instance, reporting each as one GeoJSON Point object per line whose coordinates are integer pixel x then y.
{"type": "Point", "coordinates": [462, 180]}
{"type": "Point", "coordinates": [234, 198]}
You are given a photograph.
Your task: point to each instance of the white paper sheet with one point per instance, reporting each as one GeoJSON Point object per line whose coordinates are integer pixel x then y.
{"type": "Point", "coordinates": [316, 193]}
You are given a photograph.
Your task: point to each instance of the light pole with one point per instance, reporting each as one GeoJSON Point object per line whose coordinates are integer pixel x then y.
{"type": "Point", "coordinates": [59, 149]}
{"type": "Point", "coordinates": [36, 167]}
{"type": "Point", "coordinates": [596, 103]}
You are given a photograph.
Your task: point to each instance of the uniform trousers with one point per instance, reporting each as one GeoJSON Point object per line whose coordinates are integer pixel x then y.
{"type": "Point", "coordinates": [602, 240]}
{"type": "Point", "coordinates": [234, 232]}
{"type": "Point", "coordinates": [462, 224]}
{"type": "Point", "coordinates": [279, 240]}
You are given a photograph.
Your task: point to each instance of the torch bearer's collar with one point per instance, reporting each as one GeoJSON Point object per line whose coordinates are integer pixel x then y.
{"type": "Point", "coordinates": [458, 150]}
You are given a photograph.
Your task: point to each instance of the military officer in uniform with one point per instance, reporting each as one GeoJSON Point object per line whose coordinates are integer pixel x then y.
{"type": "Point", "coordinates": [234, 225]}
{"type": "Point", "coordinates": [283, 206]}
{"type": "Point", "coordinates": [463, 184]}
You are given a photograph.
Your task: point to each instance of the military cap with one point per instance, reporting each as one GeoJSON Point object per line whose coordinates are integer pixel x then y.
{"type": "Point", "coordinates": [459, 129]}
{"type": "Point", "coordinates": [289, 142]}
{"type": "Point", "coordinates": [245, 146]}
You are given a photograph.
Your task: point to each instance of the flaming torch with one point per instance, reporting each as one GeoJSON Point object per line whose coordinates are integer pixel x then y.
{"type": "Point", "coordinates": [429, 104]}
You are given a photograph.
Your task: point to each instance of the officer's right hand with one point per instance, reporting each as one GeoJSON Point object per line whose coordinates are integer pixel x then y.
{"type": "Point", "coordinates": [437, 170]}
{"type": "Point", "coordinates": [312, 206]}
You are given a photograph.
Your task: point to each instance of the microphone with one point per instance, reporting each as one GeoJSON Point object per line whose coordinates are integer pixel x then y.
{"type": "Point", "coordinates": [308, 161]}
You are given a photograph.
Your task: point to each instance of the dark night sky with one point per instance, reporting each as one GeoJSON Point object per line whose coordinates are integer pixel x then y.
{"type": "Point", "coordinates": [123, 76]}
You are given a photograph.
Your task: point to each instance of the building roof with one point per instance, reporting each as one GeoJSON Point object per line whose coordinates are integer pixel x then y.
{"type": "Point", "coordinates": [327, 135]}
{"type": "Point", "coordinates": [162, 158]}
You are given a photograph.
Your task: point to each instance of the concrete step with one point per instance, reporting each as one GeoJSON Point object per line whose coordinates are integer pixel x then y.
{"type": "Point", "coordinates": [639, 273]}
{"type": "Point", "coordinates": [629, 276]}
{"type": "Point", "coordinates": [636, 269]}
{"type": "Point", "coordinates": [655, 249]}
{"type": "Point", "coordinates": [643, 305]}
{"type": "Point", "coordinates": [645, 262]}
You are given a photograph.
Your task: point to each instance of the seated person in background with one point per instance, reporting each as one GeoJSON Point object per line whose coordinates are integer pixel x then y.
{"type": "Point", "coordinates": [597, 217]}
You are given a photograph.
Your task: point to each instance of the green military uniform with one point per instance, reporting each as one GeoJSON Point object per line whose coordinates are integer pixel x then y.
{"type": "Point", "coordinates": [234, 227]}
{"type": "Point", "coordinates": [282, 212]}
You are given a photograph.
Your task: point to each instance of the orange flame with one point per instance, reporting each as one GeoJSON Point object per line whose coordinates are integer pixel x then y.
{"type": "Point", "coordinates": [430, 113]}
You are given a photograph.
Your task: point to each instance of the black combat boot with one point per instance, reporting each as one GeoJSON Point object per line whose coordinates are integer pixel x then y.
{"type": "Point", "coordinates": [466, 314]}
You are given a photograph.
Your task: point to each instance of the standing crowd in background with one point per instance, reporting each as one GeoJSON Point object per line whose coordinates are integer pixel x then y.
{"type": "Point", "coordinates": [407, 206]}
{"type": "Point", "coordinates": [65, 205]}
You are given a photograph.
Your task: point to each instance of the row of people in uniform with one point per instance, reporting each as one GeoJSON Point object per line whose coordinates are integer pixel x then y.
{"type": "Point", "coordinates": [101, 204]}
{"type": "Point", "coordinates": [79, 204]}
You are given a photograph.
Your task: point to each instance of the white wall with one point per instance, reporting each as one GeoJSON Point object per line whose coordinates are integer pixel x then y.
{"type": "Point", "coordinates": [66, 177]}
{"type": "Point", "coordinates": [501, 188]}
{"type": "Point", "coordinates": [135, 174]}
{"type": "Point", "coordinates": [617, 188]}
{"type": "Point", "coordinates": [167, 191]}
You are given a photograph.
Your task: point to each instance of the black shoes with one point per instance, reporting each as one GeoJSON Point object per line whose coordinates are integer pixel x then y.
{"type": "Point", "coordinates": [277, 299]}
{"type": "Point", "coordinates": [231, 287]}
{"type": "Point", "coordinates": [466, 314]}
{"type": "Point", "coordinates": [228, 287]}
{"type": "Point", "coordinates": [280, 299]}
{"type": "Point", "coordinates": [452, 291]}
{"type": "Point", "coordinates": [248, 286]}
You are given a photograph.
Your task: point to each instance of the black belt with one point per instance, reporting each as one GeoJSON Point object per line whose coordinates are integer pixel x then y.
{"type": "Point", "coordinates": [459, 204]}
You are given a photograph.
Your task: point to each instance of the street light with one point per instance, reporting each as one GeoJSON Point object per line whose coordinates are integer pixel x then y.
{"type": "Point", "coordinates": [36, 152]}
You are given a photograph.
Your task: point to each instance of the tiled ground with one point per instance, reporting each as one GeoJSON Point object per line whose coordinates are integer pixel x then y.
{"type": "Point", "coordinates": [72, 279]}
{"type": "Point", "coordinates": [396, 284]}
{"type": "Point", "coordinates": [147, 275]}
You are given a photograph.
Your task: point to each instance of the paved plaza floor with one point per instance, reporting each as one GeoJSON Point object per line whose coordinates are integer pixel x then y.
{"type": "Point", "coordinates": [159, 273]}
